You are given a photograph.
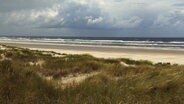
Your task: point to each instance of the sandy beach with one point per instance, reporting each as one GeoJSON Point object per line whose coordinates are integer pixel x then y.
{"type": "Point", "coordinates": [174, 56]}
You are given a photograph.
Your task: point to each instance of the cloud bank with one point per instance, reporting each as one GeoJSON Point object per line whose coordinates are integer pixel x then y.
{"type": "Point", "coordinates": [137, 18]}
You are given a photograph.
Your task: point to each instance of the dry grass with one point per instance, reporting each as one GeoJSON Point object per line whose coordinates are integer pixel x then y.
{"type": "Point", "coordinates": [137, 82]}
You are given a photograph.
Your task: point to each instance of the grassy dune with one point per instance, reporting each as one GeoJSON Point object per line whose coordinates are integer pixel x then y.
{"type": "Point", "coordinates": [35, 77]}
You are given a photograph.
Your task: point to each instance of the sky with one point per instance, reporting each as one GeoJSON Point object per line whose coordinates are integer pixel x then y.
{"type": "Point", "coordinates": [92, 18]}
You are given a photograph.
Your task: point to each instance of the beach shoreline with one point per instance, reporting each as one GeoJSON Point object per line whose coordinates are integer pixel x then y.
{"type": "Point", "coordinates": [156, 55]}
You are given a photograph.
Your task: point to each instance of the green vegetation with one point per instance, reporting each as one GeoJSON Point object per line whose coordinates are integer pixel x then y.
{"type": "Point", "coordinates": [24, 73]}
{"type": "Point", "coordinates": [134, 62]}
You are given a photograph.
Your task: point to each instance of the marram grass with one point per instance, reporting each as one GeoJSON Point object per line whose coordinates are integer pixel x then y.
{"type": "Point", "coordinates": [140, 83]}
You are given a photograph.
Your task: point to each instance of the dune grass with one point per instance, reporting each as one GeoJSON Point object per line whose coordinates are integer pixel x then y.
{"type": "Point", "coordinates": [142, 83]}
{"type": "Point", "coordinates": [19, 86]}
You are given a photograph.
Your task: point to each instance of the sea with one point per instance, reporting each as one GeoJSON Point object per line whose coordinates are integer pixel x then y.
{"type": "Point", "coordinates": [101, 41]}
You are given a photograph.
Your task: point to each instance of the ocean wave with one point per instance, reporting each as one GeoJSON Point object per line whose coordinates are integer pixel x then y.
{"type": "Point", "coordinates": [123, 42]}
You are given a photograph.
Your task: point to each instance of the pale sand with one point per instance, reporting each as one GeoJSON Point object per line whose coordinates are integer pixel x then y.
{"type": "Point", "coordinates": [174, 56]}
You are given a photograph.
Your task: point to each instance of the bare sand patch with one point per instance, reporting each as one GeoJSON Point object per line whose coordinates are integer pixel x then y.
{"type": "Point", "coordinates": [69, 80]}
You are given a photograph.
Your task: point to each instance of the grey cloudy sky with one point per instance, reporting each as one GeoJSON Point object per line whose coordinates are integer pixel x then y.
{"type": "Point", "coordinates": [138, 18]}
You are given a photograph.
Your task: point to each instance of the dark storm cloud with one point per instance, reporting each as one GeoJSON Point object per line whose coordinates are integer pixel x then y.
{"type": "Point", "coordinates": [82, 16]}
{"type": "Point", "coordinates": [73, 15]}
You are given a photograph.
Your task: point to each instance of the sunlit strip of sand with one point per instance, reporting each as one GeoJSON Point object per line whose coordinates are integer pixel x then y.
{"type": "Point", "coordinates": [174, 56]}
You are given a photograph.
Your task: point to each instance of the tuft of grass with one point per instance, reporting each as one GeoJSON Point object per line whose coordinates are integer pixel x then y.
{"type": "Point", "coordinates": [134, 62]}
